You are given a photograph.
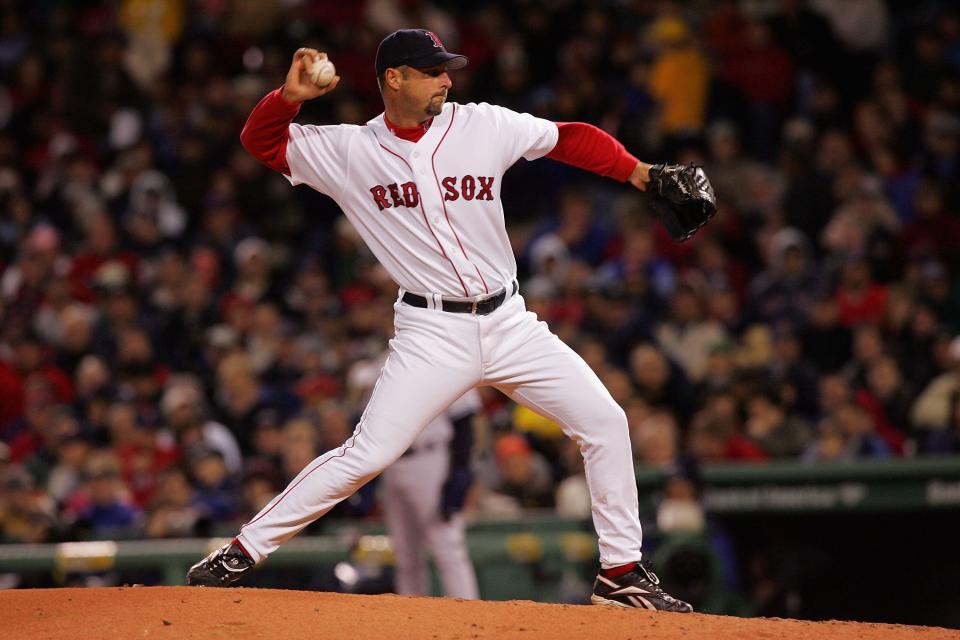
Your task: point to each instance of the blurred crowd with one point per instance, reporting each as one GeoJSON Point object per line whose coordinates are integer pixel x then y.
{"type": "Point", "coordinates": [180, 330]}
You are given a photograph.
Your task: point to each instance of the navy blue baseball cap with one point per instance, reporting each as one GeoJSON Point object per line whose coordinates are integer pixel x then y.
{"type": "Point", "coordinates": [416, 48]}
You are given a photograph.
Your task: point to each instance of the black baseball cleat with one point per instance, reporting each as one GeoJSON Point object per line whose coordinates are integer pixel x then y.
{"type": "Point", "coordinates": [221, 568]}
{"type": "Point", "coordinates": [638, 588]}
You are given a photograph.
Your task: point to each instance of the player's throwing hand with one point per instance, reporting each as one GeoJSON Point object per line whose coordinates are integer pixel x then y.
{"type": "Point", "coordinates": [299, 86]}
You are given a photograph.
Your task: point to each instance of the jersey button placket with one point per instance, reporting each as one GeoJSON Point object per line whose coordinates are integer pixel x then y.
{"type": "Point", "coordinates": [431, 198]}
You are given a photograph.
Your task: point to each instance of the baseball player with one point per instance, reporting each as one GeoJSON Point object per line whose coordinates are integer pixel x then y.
{"type": "Point", "coordinates": [421, 185]}
{"type": "Point", "coordinates": [424, 492]}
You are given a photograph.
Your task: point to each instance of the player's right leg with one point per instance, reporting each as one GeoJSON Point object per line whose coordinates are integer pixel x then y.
{"type": "Point", "coordinates": [433, 360]}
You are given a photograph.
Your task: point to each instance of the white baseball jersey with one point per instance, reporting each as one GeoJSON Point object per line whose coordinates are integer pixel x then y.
{"type": "Point", "coordinates": [430, 211]}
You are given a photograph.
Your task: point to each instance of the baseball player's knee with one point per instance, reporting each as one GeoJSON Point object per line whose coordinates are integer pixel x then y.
{"type": "Point", "coordinates": [383, 456]}
{"type": "Point", "coordinates": [612, 416]}
{"type": "Point", "coordinates": [383, 459]}
{"type": "Point", "coordinates": [618, 415]}
{"type": "Point", "coordinates": [371, 464]}
{"type": "Point", "coordinates": [378, 444]}
{"type": "Point", "coordinates": [606, 426]}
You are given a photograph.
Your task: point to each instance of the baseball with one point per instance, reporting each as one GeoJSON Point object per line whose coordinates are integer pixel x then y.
{"type": "Point", "coordinates": [322, 70]}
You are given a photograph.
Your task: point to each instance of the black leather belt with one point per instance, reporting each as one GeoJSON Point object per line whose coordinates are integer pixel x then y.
{"type": "Point", "coordinates": [480, 307]}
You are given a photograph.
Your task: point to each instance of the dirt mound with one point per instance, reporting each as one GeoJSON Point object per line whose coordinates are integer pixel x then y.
{"type": "Point", "coordinates": [173, 613]}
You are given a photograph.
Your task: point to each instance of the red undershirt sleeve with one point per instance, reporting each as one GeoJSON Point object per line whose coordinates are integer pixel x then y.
{"type": "Point", "coordinates": [587, 147]}
{"type": "Point", "coordinates": [265, 134]}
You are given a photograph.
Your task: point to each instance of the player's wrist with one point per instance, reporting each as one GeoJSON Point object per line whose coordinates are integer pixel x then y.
{"type": "Point", "coordinates": [292, 98]}
{"type": "Point", "coordinates": [640, 175]}
{"type": "Point", "coordinates": [643, 170]}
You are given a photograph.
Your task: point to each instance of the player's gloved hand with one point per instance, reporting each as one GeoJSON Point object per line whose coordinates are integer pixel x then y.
{"type": "Point", "coordinates": [453, 494]}
{"type": "Point", "coordinates": [681, 197]}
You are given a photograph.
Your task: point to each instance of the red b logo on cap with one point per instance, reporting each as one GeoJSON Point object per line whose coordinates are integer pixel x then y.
{"type": "Point", "coordinates": [436, 40]}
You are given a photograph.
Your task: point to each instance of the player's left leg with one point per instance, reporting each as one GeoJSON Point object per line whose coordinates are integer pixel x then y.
{"type": "Point", "coordinates": [535, 368]}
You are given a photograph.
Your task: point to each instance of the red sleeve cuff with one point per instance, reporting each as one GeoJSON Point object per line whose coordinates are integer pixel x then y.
{"type": "Point", "coordinates": [624, 166]}
{"type": "Point", "coordinates": [293, 107]}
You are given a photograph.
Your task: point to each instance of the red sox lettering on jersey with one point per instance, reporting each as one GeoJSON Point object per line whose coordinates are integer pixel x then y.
{"type": "Point", "coordinates": [406, 195]}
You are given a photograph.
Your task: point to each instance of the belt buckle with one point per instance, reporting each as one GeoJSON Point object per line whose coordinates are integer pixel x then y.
{"type": "Point", "coordinates": [473, 309]}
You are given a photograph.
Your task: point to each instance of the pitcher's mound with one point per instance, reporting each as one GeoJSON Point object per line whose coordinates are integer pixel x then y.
{"type": "Point", "coordinates": [174, 613]}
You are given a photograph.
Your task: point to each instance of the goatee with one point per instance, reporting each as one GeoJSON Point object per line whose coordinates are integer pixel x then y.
{"type": "Point", "coordinates": [435, 107]}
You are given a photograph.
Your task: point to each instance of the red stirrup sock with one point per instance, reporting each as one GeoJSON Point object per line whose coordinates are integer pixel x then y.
{"type": "Point", "coordinates": [240, 546]}
{"type": "Point", "coordinates": [616, 572]}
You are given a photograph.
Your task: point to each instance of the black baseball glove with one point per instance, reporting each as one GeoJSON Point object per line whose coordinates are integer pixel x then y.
{"type": "Point", "coordinates": [681, 197]}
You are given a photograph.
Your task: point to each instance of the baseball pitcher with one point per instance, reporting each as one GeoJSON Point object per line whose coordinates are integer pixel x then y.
{"type": "Point", "coordinates": [421, 184]}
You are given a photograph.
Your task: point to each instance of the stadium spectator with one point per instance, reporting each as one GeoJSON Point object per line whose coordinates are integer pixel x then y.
{"type": "Point", "coordinates": [932, 411]}
{"type": "Point", "coordinates": [886, 397]}
{"type": "Point", "coordinates": [658, 382]}
{"type": "Point", "coordinates": [859, 431]}
{"type": "Point", "coordinates": [678, 81]}
{"type": "Point", "coordinates": [717, 438]}
{"type": "Point", "coordinates": [656, 440]}
{"type": "Point", "coordinates": [103, 510]}
{"type": "Point", "coordinates": [520, 477]}
{"type": "Point", "coordinates": [785, 291]}
{"type": "Point", "coordinates": [687, 335]}
{"type": "Point", "coordinates": [26, 515]}
{"type": "Point", "coordinates": [216, 493]}
{"type": "Point", "coordinates": [183, 409]}
{"type": "Point", "coordinates": [769, 425]}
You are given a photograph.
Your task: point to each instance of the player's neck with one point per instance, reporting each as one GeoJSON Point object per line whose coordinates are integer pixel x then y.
{"type": "Point", "coordinates": [412, 133]}
{"type": "Point", "coordinates": [403, 115]}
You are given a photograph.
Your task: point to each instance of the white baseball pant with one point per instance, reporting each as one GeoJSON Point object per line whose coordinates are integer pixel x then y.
{"type": "Point", "coordinates": [435, 356]}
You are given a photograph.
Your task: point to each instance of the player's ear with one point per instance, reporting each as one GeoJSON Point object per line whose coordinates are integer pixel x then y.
{"type": "Point", "coordinates": [391, 78]}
